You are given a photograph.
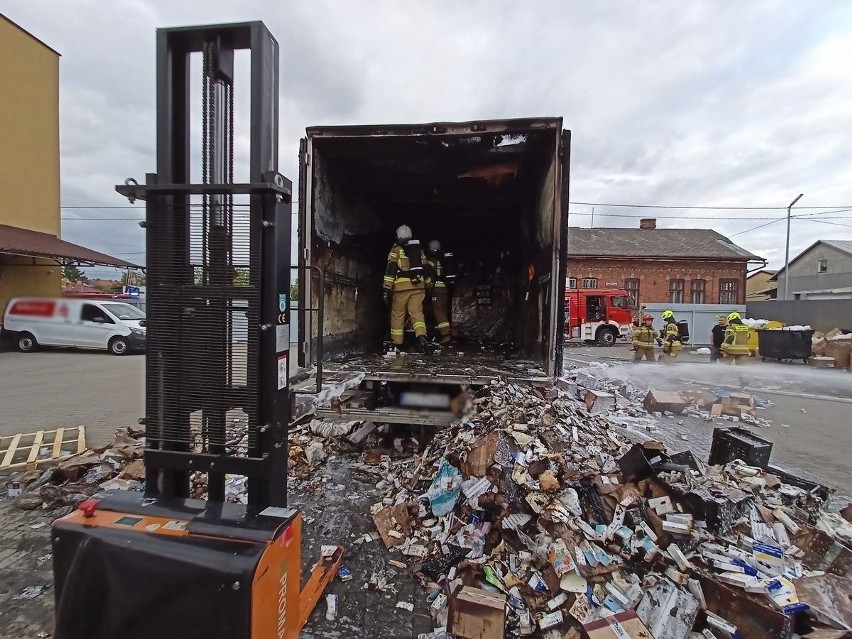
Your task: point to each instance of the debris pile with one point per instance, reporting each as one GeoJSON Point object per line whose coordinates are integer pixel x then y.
{"type": "Point", "coordinates": [532, 500]}
{"type": "Point", "coordinates": [116, 466]}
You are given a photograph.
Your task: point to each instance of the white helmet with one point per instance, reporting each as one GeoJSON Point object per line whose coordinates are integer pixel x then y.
{"type": "Point", "coordinates": [403, 233]}
{"type": "Point", "coordinates": [434, 246]}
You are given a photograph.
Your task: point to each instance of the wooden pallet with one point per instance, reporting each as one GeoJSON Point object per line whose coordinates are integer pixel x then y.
{"type": "Point", "coordinates": [24, 449]}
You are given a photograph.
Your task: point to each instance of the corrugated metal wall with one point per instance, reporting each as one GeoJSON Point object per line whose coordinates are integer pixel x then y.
{"type": "Point", "coordinates": [821, 315]}
{"type": "Point", "coordinates": [701, 318]}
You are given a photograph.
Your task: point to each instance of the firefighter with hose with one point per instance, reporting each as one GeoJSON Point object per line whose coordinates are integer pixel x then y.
{"type": "Point", "coordinates": [735, 345]}
{"type": "Point", "coordinates": [669, 337]}
{"type": "Point", "coordinates": [643, 340]}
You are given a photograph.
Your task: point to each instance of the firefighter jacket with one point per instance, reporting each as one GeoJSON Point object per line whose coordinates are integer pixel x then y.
{"type": "Point", "coordinates": [671, 333]}
{"type": "Point", "coordinates": [644, 336]}
{"type": "Point", "coordinates": [434, 272]}
{"type": "Point", "coordinates": [398, 274]}
{"type": "Point", "coordinates": [736, 340]}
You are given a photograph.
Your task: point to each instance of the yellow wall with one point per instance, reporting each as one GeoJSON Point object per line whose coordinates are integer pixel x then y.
{"type": "Point", "coordinates": [758, 282]}
{"type": "Point", "coordinates": [29, 129]}
{"type": "Point", "coordinates": [29, 156]}
{"type": "Point", "coordinates": [27, 277]}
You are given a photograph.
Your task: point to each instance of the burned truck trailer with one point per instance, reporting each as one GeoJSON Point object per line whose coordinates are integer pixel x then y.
{"type": "Point", "coordinates": [494, 193]}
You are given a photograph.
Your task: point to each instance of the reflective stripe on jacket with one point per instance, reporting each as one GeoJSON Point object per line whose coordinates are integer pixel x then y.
{"type": "Point", "coordinates": [397, 274]}
{"type": "Point", "coordinates": [736, 340]}
{"type": "Point", "coordinates": [434, 272]}
{"type": "Point", "coordinates": [644, 336]}
{"type": "Point", "coordinates": [672, 332]}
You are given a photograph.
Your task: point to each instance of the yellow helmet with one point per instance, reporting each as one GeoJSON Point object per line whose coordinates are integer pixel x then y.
{"type": "Point", "coordinates": [733, 316]}
{"type": "Point", "coordinates": [668, 314]}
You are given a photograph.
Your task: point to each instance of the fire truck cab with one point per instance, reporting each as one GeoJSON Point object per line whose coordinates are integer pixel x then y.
{"type": "Point", "coordinates": [598, 315]}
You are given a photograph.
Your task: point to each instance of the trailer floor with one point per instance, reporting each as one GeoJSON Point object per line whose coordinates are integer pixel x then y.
{"type": "Point", "coordinates": [455, 362]}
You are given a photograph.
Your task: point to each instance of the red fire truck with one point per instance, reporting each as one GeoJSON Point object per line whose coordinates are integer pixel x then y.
{"type": "Point", "coordinates": [598, 315]}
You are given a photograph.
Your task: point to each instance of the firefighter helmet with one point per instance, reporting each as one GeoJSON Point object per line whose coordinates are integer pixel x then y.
{"type": "Point", "coordinates": [733, 316]}
{"type": "Point", "coordinates": [434, 246]}
{"type": "Point", "coordinates": [403, 233]}
{"type": "Point", "coordinates": [646, 318]}
{"type": "Point", "coordinates": [668, 315]}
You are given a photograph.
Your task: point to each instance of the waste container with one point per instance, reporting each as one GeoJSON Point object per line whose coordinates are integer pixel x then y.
{"type": "Point", "coordinates": [784, 344]}
{"type": "Point", "coordinates": [752, 334]}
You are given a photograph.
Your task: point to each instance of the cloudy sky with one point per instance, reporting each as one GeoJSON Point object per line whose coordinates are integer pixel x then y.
{"type": "Point", "coordinates": [718, 103]}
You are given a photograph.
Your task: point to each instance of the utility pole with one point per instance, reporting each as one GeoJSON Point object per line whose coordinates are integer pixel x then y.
{"type": "Point", "coordinates": [787, 251]}
{"type": "Point", "coordinates": [592, 225]}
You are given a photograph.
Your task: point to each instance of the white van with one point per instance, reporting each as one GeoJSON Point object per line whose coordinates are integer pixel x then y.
{"type": "Point", "coordinates": [81, 323]}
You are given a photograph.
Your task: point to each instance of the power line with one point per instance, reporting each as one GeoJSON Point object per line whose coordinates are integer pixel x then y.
{"type": "Point", "coordinates": [711, 208]}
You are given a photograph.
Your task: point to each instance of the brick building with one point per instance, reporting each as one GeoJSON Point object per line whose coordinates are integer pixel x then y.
{"type": "Point", "coordinates": [689, 266]}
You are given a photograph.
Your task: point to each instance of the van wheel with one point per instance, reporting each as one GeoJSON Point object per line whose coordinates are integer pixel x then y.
{"type": "Point", "coordinates": [606, 337]}
{"type": "Point", "coordinates": [27, 343]}
{"type": "Point", "coordinates": [119, 346]}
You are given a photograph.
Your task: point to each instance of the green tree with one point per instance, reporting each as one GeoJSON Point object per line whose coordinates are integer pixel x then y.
{"type": "Point", "coordinates": [294, 292]}
{"type": "Point", "coordinates": [73, 274]}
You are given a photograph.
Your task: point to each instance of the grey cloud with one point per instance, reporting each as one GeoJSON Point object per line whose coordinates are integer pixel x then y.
{"type": "Point", "coordinates": [724, 103]}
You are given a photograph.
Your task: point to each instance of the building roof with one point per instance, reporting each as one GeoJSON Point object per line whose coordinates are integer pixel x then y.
{"type": "Point", "coordinates": [19, 27]}
{"type": "Point", "coordinates": [841, 245]}
{"type": "Point", "coordinates": [18, 241]}
{"type": "Point", "coordinates": [763, 270]}
{"type": "Point", "coordinates": [702, 244]}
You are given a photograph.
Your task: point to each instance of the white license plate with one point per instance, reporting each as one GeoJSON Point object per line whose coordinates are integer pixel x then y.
{"type": "Point", "coordinates": [424, 400]}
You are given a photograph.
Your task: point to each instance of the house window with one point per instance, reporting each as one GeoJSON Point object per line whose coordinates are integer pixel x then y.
{"type": "Point", "coordinates": [698, 287]}
{"type": "Point", "coordinates": [675, 291]}
{"type": "Point", "coordinates": [728, 292]}
{"type": "Point", "coordinates": [822, 266]}
{"type": "Point", "coordinates": [632, 287]}
{"type": "Point", "coordinates": [590, 282]}
{"type": "Point", "coordinates": [572, 282]}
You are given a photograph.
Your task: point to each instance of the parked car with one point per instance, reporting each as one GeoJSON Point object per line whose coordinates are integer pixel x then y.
{"type": "Point", "coordinates": [30, 322]}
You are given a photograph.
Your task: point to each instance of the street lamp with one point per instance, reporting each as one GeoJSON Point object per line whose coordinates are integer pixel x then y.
{"type": "Point", "coordinates": [787, 252]}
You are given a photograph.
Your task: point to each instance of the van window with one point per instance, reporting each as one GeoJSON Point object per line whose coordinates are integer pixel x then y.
{"type": "Point", "coordinates": [90, 312]}
{"type": "Point", "coordinates": [618, 301]}
{"type": "Point", "coordinates": [124, 311]}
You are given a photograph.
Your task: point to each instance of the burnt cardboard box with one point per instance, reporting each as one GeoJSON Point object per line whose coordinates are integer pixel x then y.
{"type": "Point", "coordinates": [619, 626]}
{"type": "Point", "coordinates": [477, 614]}
{"type": "Point", "coordinates": [660, 401]}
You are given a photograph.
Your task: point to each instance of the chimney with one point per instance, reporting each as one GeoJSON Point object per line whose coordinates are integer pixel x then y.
{"type": "Point", "coordinates": [648, 223]}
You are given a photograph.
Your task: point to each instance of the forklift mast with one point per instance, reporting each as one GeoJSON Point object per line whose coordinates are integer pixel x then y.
{"type": "Point", "coordinates": [218, 269]}
{"type": "Point", "coordinates": [167, 563]}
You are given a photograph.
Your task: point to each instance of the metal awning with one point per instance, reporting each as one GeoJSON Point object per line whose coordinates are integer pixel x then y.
{"type": "Point", "coordinates": [25, 243]}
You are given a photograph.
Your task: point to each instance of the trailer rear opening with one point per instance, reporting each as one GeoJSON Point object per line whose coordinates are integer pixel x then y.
{"type": "Point", "coordinates": [491, 192]}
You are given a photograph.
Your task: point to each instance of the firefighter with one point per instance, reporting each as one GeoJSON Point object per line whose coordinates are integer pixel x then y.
{"type": "Point", "coordinates": [735, 347]}
{"type": "Point", "coordinates": [643, 340]}
{"type": "Point", "coordinates": [404, 289]}
{"type": "Point", "coordinates": [436, 287]}
{"type": "Point", "coordinates": [669, 337]}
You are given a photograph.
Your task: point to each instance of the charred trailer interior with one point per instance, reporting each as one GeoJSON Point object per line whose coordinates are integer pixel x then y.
{"type": "Point", "coordinates": [494, 193]}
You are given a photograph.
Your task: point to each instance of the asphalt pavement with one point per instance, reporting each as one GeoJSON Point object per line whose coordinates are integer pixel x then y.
{"type": "Point", "coordinates": [811, 428]}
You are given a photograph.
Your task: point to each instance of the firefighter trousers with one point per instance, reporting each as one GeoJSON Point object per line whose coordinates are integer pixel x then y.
{"type": "Point", "coordinates": [647, 353]}
{"type": "Point", "coordinates": [407, 304]}
{"type": "Point", "coordinates": [441, 312]}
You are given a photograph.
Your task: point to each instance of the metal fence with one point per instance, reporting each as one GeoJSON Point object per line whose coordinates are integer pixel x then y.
{"type": "Point", "coordinates": [700, 317]}
{"type": "Point", "coordinates": [821, 315]}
